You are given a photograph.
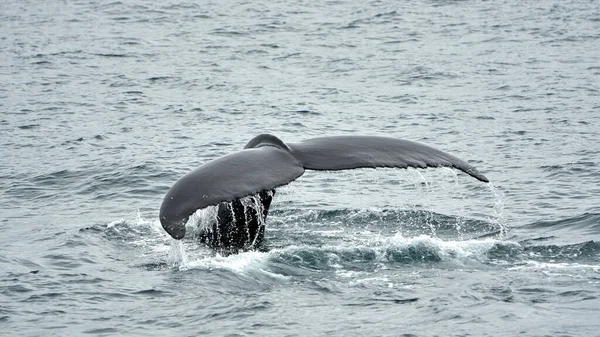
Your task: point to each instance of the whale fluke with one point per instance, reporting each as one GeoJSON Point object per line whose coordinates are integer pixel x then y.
{"type": "Point", "coordinates": [350, 152]}
{"type": "Point", "coordinates": [225, 179]}
{"type": "Point", "coordinates": [267, 163]}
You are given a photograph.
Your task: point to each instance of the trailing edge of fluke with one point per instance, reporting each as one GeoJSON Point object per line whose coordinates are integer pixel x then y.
{"type": "Point", "coordinates": [266, 162]}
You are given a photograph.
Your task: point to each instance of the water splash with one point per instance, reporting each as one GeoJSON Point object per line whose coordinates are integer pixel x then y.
{"type": "Point", "coordinates": [499, 217]}
{"type": "Point", "coordinates": [232, 226]}
{"type": "Point", "coordinates": [254, 203]}
{"type": "Point", "coordinates": [201, 219]}
{"type": "Point", "coordinates": [179, 254]}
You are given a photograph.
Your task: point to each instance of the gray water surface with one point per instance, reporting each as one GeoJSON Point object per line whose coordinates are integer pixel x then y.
{"type": "Point", "coordinates": [104, 105]}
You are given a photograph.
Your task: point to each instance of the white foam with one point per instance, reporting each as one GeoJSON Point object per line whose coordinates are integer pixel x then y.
{"type": "Point", "coordinates": [555, 266]}
{"type": "Point", "coordinates": [241, 263]}
{"type": "Point", "coordinates": [115, 223]}
{"type": "Point", "coordinates": [448, 249]}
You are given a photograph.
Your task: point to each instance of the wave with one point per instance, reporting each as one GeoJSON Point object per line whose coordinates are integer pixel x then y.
{"type": "Point", "coordinates": [572, 239]}
{"type": "Point", "coordinates": [588, 251]}
{"type": "Point", "coordinates": [396, 252]}
{"type": "Point", "coordinates": [345, 242]}
{"type": "Point", "coordinates": [409, 223]}
{"type": "Point", "coordinates": [587, 222]}
{"type": "Point", "coordinates": [343, 260]}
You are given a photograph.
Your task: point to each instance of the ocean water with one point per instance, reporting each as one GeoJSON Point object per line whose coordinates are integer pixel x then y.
{"type": "Point", "coordinates": [105, 104]}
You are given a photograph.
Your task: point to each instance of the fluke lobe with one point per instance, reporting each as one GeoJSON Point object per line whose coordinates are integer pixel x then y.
{"type": "Point", "coordinates": [266, 163]}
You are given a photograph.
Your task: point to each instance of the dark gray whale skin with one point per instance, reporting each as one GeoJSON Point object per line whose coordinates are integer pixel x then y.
{"type": "Point", "coordinates": [266, 163]}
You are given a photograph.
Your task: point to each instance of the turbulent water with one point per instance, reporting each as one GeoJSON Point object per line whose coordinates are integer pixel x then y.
{"type": "Point", "coordinates": [105, 104]}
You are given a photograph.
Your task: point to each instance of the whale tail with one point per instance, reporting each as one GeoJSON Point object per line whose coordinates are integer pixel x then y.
{"type": "Point", "coordinates": [267, 163]}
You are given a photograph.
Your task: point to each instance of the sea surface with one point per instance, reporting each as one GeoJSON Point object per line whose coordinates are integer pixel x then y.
{"type": "Point", "coordinates": [105, 104]}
